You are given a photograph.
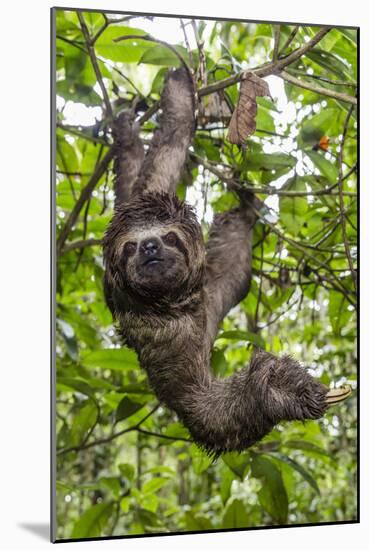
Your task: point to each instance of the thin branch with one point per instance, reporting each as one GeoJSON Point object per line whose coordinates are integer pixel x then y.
{"type": "Point", "coordinates": [268, 68]}
{"type": "Point", "coordinates": [83, 243]}
{"type": "Point", "coordinates": [91, 51]}
{"type": "Point", "coordinates": [84, 196]}
{"type": "Point", "coordinates": [342, 205]}
{"type": "Point", "coordinates": [190, 56]}
{"type": "Point", "coordinates": [341, 96]}
{"type": "Point", "coordinates": [289, 39]}
{"type": "Point", "coordinates": [135, 428]}
{"type": "Point", "coordinates": [277, 37]}
{"type": "Point", "coordinates": [231, 182]}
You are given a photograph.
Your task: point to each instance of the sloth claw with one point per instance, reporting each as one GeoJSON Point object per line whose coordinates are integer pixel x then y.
{"type": "Point", "coordinates": [337, 395]}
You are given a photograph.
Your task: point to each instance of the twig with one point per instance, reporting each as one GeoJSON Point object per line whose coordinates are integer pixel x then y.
{"type": "Point", "coordinates": [342, 206]}
{"type": "Point", "coordinates": [277, 36]}
{"type": "Point", "coordinates": [187, 44]}
{"type": "Point", "coordinates": [108, 439]}
{"type": "Point", "coordinates": [231, 182]}
{"type": "Point", "coordinates": [318, 89]}
{"type": "Point", "coordinates": [268, 68]}
{"type": "Point", "coordinates": [91, 51]}
{"type": "Point", "coordinates": [289, 39]}
{"type": "Point", "coordinates": [202, 58]}
{"type": "Point", "coordinates": [84, 243]}
{"type": "Point", "coordinates": [84, 196]}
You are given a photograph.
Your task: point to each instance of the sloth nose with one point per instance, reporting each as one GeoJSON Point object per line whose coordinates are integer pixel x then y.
{"type": "Point", "coordinates": [150, 246]}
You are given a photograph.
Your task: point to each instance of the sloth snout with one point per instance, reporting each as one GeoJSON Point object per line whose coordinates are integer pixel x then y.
{"type": "Point", "coordinates": [150, 246]}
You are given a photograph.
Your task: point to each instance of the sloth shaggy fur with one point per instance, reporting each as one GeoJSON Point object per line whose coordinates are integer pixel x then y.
{"type": "Point", "coordinates": [169, 291]}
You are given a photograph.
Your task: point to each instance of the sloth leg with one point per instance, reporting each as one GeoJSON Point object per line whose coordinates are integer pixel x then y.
{"type": "Point", "coordinates": [228, 263]}
{"type": "Point", "coordinates": [129, 155]}
{"type": "Point", "coordinates": [167, 154]}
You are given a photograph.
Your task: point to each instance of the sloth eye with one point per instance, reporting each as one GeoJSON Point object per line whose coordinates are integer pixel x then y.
{"type": "Point", "coordinates": [170, 238]}
{"type": "Point", "coordinates": [130, 248]}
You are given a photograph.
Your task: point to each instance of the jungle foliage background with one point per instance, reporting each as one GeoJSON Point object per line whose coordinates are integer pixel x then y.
{"type": "Point", "coordinates": [125, 465]}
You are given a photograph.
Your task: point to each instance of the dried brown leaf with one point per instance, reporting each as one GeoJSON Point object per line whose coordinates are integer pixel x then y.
{"type": "Point", "coordinates": [243, 121]}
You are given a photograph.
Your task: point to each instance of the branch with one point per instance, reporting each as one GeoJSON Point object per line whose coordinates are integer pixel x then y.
{"type": "Point", "coordinates": [342, 206]}
{"type": "Point", "coordinates": [267, 69]}
{"type": "Point", "coordinates": [83, 243]}
{"type": "Point", "coordinates": [277, 36]}
{"type": "Point", "coordinates": [91, 51]}
{"type": "Point", "coordinates": [318, 89]}
{"type": "Point", "coordinates": [233, 184]}
{"type": "Point", "coordinates": [84, 196]}
{"type": "Point", "coordinates": [136, 427]}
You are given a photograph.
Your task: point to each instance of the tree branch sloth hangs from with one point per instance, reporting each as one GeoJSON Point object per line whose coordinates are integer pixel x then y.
{"type": "Point", "coordinates": [169, 290]}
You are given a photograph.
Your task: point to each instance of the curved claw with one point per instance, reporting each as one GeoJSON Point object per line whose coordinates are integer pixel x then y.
{"type": "Point", "coordinates": [337, 395]}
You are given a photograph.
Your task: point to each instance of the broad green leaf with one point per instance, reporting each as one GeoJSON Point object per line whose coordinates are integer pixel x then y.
{"type": "Point", "coordinates": [163, 56]}
{"type": "Point", "coordinates": [93, 521]}
{"type": "Point", "coordinates": [272, 161]}
{"type": "Point", "coordinates": [338, 311]}
{"type": "Point", "coordinates": [84, 420]}
{"type": "Point", "coordinates": [272, 496]}
{"type": "Point", "coordinates": [113, 359]}
{"type": "Point", "coordinates": [154, 484]}
{"type": "Point", "coordinates": [200, 460]}
{"type": "Point", "coordinates": [293, 210]}
{"type": "Point", "coordinates": [238, 463]}
{"type": "Point", "coordinates": [127, 407]}
{"type": "Point", "coordinates": [126, 51]}
{"type": "Point", "coordinates": [218, 362]}
{"type": "Point", "coordinates": [326, 167]}
{"type": "Point", "coordinates": [305, 446]}
{"type": "Point", "coordinates": [112, 484]}
{"type": "Point", "coordinates": [235, 515]}
{"type": "Point", "coordinates": [197, 522]}
{"type": "Point", "coordinates": [242, 335]}
{"type": "Point", "coordinates": [300, 469]}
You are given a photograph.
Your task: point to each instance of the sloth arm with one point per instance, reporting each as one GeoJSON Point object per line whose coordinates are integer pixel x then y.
{"type": "Point", "coordinates": [167, 154]}
{"type": "Point", "coordinates": [228, 264]}
{"type": "Point", "coordinates": [129, 155]}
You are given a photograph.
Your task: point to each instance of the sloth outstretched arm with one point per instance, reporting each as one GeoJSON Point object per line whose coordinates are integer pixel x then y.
{"type": "Point", "coordinates": [169, 292]}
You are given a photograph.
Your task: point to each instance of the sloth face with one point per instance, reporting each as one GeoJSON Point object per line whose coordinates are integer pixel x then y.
{"type": "Point", "coordinates": [154, 250]}
{"type": "Point", "coordinates": [155, 259]}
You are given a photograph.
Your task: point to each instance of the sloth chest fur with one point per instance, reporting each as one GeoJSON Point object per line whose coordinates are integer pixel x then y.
{"type": "Point", "coordinates": [151, 336]}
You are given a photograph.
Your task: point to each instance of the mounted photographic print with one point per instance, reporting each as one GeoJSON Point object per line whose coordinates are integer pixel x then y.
{"type": "Point", "coordinates": [204, 212]}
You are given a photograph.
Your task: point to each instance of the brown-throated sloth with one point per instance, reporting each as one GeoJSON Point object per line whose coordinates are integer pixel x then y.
{"type": "Point", "coordinates": [169, 291]}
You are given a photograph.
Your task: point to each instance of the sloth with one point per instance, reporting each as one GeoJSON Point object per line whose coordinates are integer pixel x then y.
{"type": "Point", "coordinates": [169, 290]}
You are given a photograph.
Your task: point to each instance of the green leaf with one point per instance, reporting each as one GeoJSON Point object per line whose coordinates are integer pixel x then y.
{"type": "Point", "coordinates": [218, 362]}
{"type": "Point", "coordinates": [154, 484]}
{"type": "Point", "coordinates": [161, 55]}
{"type": "Point", "coordinates": [325, 167]}
{"type": "Point", "coordinates": [305, 446]}
{"type": "Point", "coordinates": [293, 210]}
{"type": "Point", "coordinates": [112, 484]}
{"type": "Point", "coordinates": [113, 359]}
{"type": "Point", "coordinates": [300, 469]}
{"type": "Point", "coordinates": [126, 51]}
{"type": "Point", "coordinates": [197, 522]}
{"type": "Point", "coordinates": [237, 463]}
{"type": "Point", "coordinates": [93, 521]}
{"type": "Point", "coordinates": [273, 161]}
{"type": "Point", "coordinates": [272, 496]}
{"type": "Point", "coordinates": [127, 407]}
{"type": "Point", "coordinates": [235, 515]}
{"type": "Point", "coordinates": [242, 335]}
{"type": "Point", "coordinates": [83, 422]}
{"type": "Point", "coordinates": [200, 460]}
{"type": "Point", "coordinates": [338, 311]}
{"type": "Point", "coordinates": [75, 91]}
